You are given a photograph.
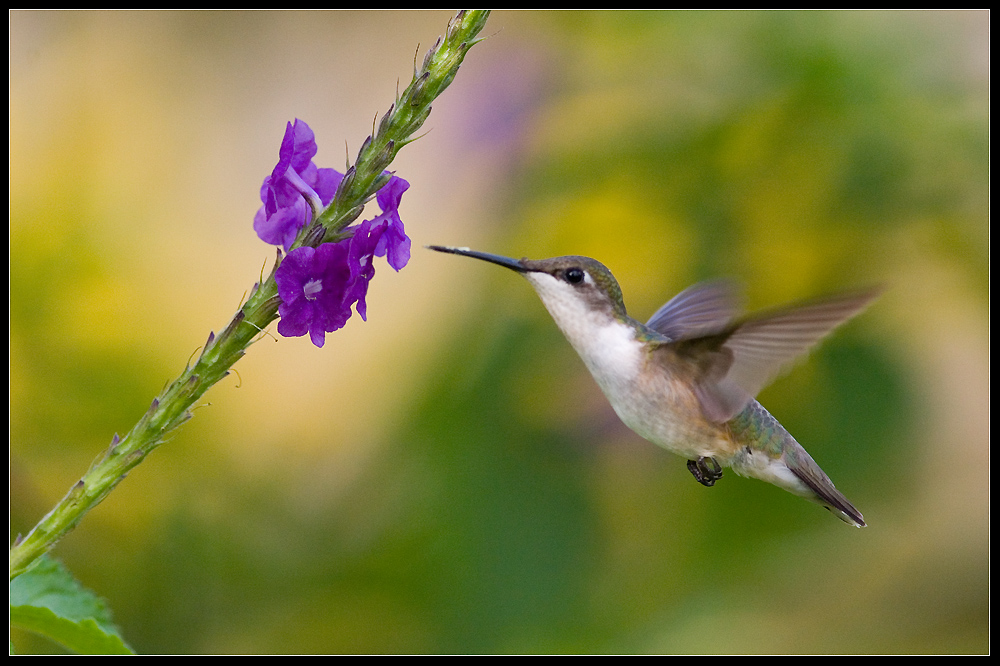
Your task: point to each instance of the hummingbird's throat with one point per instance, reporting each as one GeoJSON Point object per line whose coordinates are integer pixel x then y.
{"type": "Point", "coordinates": [607, 345]}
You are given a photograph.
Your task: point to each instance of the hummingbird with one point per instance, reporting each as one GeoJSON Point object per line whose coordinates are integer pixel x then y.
{"type": "Point", "coordinates": [687, 379]}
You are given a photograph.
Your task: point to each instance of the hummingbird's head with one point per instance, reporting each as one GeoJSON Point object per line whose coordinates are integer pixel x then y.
{"type": "Point", "coordinates": [570, 287]}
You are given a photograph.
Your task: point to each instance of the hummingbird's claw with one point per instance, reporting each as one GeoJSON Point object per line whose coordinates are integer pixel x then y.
{"type": "Point", "coordinates": [706, 470]}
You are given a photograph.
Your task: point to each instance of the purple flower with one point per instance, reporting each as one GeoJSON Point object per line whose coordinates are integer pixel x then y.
{"type": "Point", "coordinates": [393, 244]}
{"type": "Point", "coordinates": [294, 180]}
{"type": "Point", "coordinates": [318, 286]}
{"type": "Point", "coordinates": [313, 284]}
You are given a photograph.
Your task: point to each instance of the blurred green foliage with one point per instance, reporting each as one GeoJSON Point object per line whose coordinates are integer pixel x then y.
{"type": "Point", "coordinates": [498, 506]}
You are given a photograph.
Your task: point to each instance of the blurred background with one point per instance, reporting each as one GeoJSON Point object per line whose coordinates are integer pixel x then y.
{"type": "Point", "coordinates": [446, 477]}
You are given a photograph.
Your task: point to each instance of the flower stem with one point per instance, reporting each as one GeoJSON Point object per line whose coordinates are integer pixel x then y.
{"type": "Point", "coordinates": [401, 121]}
{"type": "Point", "coordinates": [173, 406]}
{"type": "Point", "coordinates": [168, 410]}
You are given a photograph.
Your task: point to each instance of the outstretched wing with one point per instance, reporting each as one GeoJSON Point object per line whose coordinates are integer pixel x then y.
{"type": "Point", "coordinates": [703, 309]}
{"type": "Point", "coordinates": [737, 362]}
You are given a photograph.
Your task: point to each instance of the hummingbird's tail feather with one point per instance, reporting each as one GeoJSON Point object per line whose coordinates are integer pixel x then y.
{"type": "Point", "coordinates": [801, 464]}
{"type": "Point", "coordinates": [769, 452]}
{"type": "Point", "coordinates": [830, 497]}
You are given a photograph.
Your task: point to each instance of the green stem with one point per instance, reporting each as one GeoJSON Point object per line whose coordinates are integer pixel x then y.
{"type": "Point", "coordinates": [170, 409]}
{"type": "Point", "coordinates": [400, 123]}
{"type": "Point", "coordinates": [173, 406]}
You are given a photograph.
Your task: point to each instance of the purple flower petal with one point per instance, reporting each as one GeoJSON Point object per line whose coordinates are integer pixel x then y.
{"type": "Point", "coordinates": [281, 227]}
{"type": "Point", "coordinates": [284, 153]}
{"type": "Point", "coordinates": [326, 183]}
{"type": "Point", "coordinates": [303, 147]}
{"type": "Point", "coordinates": [391, 194]}
{"type": "Point", "coordinates": [312, 284]}
{"type": "Point", "coordinates": [394, 244]}
{"type": "Point", "coordinates": [366, 237]}
{"type": "Point", "coordinates": [294, 179]}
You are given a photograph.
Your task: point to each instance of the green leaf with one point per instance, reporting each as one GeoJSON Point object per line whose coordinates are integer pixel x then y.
{"type": "Point", "coordinates": [47, 600]}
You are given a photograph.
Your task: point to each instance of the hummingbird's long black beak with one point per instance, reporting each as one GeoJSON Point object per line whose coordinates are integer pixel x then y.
{"type": "Point", "coordinates": [512, 264]}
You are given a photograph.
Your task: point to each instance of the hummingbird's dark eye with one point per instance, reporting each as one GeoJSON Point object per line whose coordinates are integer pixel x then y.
{"type": "Point", "coordinates": [574, 275]}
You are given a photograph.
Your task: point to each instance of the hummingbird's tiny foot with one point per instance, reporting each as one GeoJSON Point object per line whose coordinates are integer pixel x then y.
{"type": "Point", "coordinates": [706, 470]}
{"type": "Point", "coordinates": [695, 467]}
